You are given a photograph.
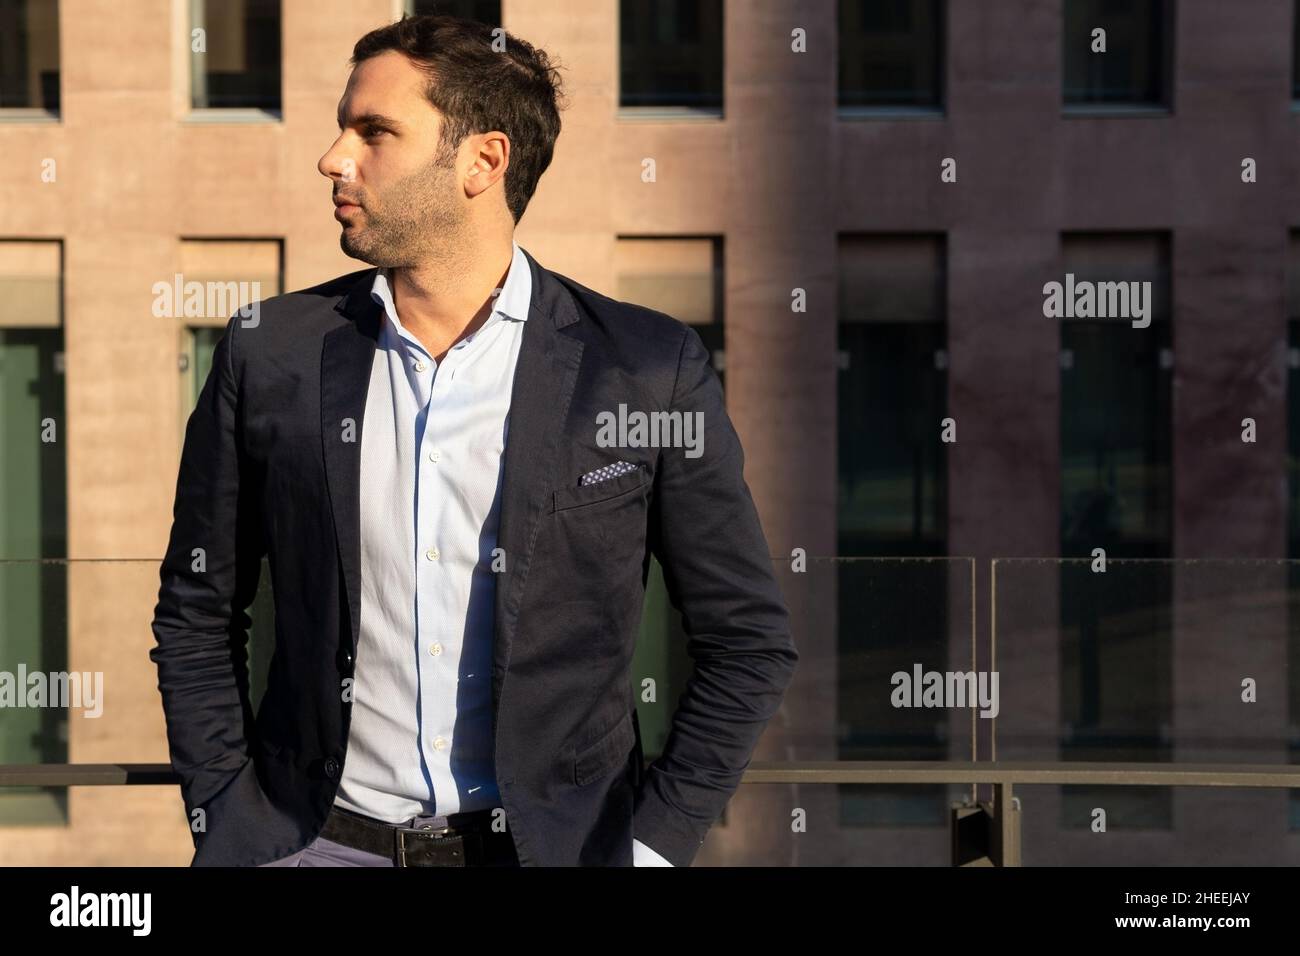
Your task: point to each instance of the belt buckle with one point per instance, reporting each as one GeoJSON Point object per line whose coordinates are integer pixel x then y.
{"type": "Point", "coordinates": [422, 847]}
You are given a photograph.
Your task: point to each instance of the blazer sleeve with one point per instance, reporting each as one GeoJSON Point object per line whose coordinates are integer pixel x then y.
{"type": "Point", "coordinates": [704, 529]}
{"type": "Point", "coordinates": [209, 577]}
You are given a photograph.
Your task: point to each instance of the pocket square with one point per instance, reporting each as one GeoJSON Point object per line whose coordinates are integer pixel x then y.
{"type": "Point", "coordinates": [608, 472]}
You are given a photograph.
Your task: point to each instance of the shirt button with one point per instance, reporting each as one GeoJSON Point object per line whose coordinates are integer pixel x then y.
{"type": "Point", "coordinates": [436, 649]}
{"type": "Point", "coordinates": [440, 743]}
{"type": "Point", "coordinates": [420, 366]}
{"type": "Point", "coordinates": [432, 554]}
{"type": "Point", "coordinates": [435, 455]}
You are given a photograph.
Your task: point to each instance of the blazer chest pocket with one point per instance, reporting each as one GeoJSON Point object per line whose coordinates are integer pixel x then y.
{"type": "Point", "coordinates": [598, 759]}
{"type": "Point", "coordinates": [578, 496]}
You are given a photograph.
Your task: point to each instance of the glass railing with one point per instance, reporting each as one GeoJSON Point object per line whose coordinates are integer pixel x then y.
{"type": "Point", "coordinates": [1141, 714]}
{"type": "Point", "coordinates": [75, 638]}
{"type": "Point", "coordinates": [1183, 663]}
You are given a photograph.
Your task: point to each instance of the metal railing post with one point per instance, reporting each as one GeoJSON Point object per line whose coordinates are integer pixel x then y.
{"type": "Point", "coordinates": [1004, 829]}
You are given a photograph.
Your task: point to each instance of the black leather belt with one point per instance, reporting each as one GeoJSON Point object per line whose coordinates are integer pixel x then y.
{"type": "Point", "coordinates": [467, 840]}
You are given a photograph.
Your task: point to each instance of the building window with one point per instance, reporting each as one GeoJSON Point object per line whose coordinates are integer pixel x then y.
{"type": "Point", "coordinates": [233, 273]}
{"type": "Point", "coordinates": [891, 55]}
{"type": "Point", "coordinates": [1295, 63]}
{"type": "Point", "coordinates": [1135, 71]}
{"type": "Point", "coordinates": [29, 55]}
{"type": "Point", "coordinates": [1293, 509]}
{"type": "Point", "coordinates": [484, 11]}
{"type": "Point", "coordinates": [892, 396]}
{"type": "Point", "coordinates": [238, 67]}
{"type": "Point", "coordinates": [670, 55]}
{"type": "Point", "coordinates": [892, 502]}
{"type": "Point", "coordinates": [1116, 494]}
{"type": "Point", "coordinates": [679, 276]}
{"type": "Point", "coordinates": [196, 361]}
{"type": "Point", "coordinates": [1116, 379]}
{"type": "Point", "coordinates": [683, 278]}
{"type": "Point", "coordinates": [33, 514]}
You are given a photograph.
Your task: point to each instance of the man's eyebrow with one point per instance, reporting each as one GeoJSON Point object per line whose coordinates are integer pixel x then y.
{"type": "Point", "coordinates": [370, 119]}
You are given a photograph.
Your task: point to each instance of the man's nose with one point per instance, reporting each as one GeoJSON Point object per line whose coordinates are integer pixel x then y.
{"type": "Point", "coordinates": [336, 165]}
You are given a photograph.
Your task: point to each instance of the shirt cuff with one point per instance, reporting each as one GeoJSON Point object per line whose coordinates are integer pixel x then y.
{"type": "Point", "coordinates": [642, 855]}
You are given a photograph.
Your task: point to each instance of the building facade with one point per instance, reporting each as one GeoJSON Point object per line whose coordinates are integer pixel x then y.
{"type": "Point", "coordinates": [858, 205]}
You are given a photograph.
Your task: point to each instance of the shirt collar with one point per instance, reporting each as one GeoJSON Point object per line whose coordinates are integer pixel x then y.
{"type": "Point", "coordinates": [512, 302]}
{"type": "Point", "coordinates": [517, 294]}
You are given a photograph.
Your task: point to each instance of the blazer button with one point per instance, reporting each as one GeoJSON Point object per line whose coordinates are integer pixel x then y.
{"type": "Point", "coordinates": [344, 660]}
{"type": "Point", "coordinates": [331, 768]}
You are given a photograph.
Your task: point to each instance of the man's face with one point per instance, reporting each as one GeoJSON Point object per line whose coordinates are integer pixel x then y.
{"type": "Point", "coordinates": [399, 190]}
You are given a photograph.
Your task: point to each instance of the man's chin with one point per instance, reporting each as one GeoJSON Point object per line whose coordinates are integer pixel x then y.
{"type": "Point", "coordinates": [354, 249]}
{"type": "Point", "coordinates": [358, 244]}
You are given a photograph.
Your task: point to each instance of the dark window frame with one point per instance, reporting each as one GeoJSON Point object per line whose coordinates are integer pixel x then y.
{"type": "Point", "coordinates": [668, 105]}
{"type": "Point", "coordinates": [1168, 49]}
{"type": "Point", "coordinates": [881, 110]}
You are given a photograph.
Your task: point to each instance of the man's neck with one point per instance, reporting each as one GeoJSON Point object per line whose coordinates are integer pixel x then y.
{"type": "Point", "coordinates": [441, 302]}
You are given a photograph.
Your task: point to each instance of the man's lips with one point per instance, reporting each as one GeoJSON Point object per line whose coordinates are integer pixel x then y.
{"type": "Point", "coordinates": [343, 208]}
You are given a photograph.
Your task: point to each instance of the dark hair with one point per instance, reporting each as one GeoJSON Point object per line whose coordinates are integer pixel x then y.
{"type": "Point", "coordinates": [478, 89]}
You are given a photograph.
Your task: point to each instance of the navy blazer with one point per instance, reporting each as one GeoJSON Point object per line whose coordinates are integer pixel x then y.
{"type": "Point", "coordinates": [271, 466]}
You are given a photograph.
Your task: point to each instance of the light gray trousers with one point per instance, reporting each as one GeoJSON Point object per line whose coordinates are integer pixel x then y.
{"type": "Point", "coordinates": [322, 852]}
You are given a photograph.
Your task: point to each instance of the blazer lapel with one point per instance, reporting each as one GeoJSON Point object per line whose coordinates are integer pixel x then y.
{"type": "Point", "coordinates": [545, 374]}
{"type": "Point", "coordinates": [346, 360]}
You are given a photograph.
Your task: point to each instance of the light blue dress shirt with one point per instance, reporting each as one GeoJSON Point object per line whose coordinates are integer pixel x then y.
{"type": "Point", "coordinates": [420, 739]}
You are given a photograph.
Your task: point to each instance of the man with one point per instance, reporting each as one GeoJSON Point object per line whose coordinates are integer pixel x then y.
{"type": "Point", "coordinates": [458, 551]}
